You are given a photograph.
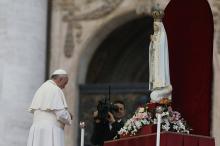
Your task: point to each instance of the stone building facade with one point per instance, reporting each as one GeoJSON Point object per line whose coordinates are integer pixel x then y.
{"type": "Point", "coordinates": [76, 29]}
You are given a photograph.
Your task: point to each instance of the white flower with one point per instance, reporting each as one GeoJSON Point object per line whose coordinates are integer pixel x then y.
{"type": "Point", "coordinates": [166, 127]}
{"type": "Point", "coordinates": [165, 114]}
{"type": "Point", "coordinates": [155, 121]}
{"type": "Point", "coordinates": [138, 124]}
{"type": "Point", "coordinates": [141, 110]}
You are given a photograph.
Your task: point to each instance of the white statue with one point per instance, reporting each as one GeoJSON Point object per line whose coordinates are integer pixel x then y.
{"type": "Point", "coordinates": [159, 80]}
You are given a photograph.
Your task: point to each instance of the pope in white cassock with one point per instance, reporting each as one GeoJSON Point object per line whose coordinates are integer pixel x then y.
{"type": "Point", "coordinates": [50, 112]}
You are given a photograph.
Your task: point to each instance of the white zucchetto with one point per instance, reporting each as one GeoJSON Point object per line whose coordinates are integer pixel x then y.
{"type": "Point", "coordinates": [59, 72]}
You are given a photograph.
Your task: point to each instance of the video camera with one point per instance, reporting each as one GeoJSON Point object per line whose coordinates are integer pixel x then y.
{"type": "Point", "coordinates": [105, 106]}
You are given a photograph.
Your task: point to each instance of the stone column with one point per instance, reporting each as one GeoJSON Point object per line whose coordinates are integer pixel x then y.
{"type": "Point", "coordinates": [22, 65]}
{"type": "Point", "coordinates": [215, 6]}
{"type": "Point", "coordinates": [216, 98]}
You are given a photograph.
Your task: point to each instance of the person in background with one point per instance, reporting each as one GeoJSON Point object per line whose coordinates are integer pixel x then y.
{"type": "Point", "coordinates": [103, 130]}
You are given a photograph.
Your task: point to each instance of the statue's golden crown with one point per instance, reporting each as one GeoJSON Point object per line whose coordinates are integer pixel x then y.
{"type": "Point", "coordinates": [157, 14]}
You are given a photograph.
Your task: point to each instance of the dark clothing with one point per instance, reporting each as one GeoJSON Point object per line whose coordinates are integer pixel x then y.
{"type": "Point", "coordinates": [103, 133]}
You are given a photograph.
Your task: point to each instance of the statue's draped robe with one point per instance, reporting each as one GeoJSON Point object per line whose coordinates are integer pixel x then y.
{"type": "Point", "coordinates": [50, 116]}
{"type": "Point", "coordinates": [159, 80]}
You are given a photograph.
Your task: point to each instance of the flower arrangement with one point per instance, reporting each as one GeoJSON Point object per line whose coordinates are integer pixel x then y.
{"type": "Point", "coordinates": [140, 118]}
{"type": "Point", "coordinates": [170, 120]}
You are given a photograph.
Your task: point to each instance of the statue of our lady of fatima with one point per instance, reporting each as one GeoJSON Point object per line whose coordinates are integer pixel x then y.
{"type": "Point", "coordinates": [159, 76]}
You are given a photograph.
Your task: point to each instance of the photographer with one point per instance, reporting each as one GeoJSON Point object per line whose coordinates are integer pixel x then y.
{"type": "Point", "coordinates": [107, 129]}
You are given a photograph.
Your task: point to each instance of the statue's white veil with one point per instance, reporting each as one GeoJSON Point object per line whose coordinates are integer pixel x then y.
{"type": "Point", "coordinates": [164, 58]}
{"type": "Point", "coordinates": [159, 79]}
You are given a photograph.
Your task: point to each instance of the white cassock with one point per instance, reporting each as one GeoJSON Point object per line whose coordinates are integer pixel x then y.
{"type": "Point", "coordinates": [50, 116]}
{"type": "Point", "coordinates": [159, 80]}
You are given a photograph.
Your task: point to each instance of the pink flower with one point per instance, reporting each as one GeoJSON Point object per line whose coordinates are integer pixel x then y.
{"type": "Point", "coordinates": [170, 109]}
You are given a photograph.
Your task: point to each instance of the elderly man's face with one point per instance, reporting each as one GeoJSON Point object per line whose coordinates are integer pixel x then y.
{"type": "Point", "coordinates": [62, 82]}
{"type": "Point", "coordinates": [121, 111]}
